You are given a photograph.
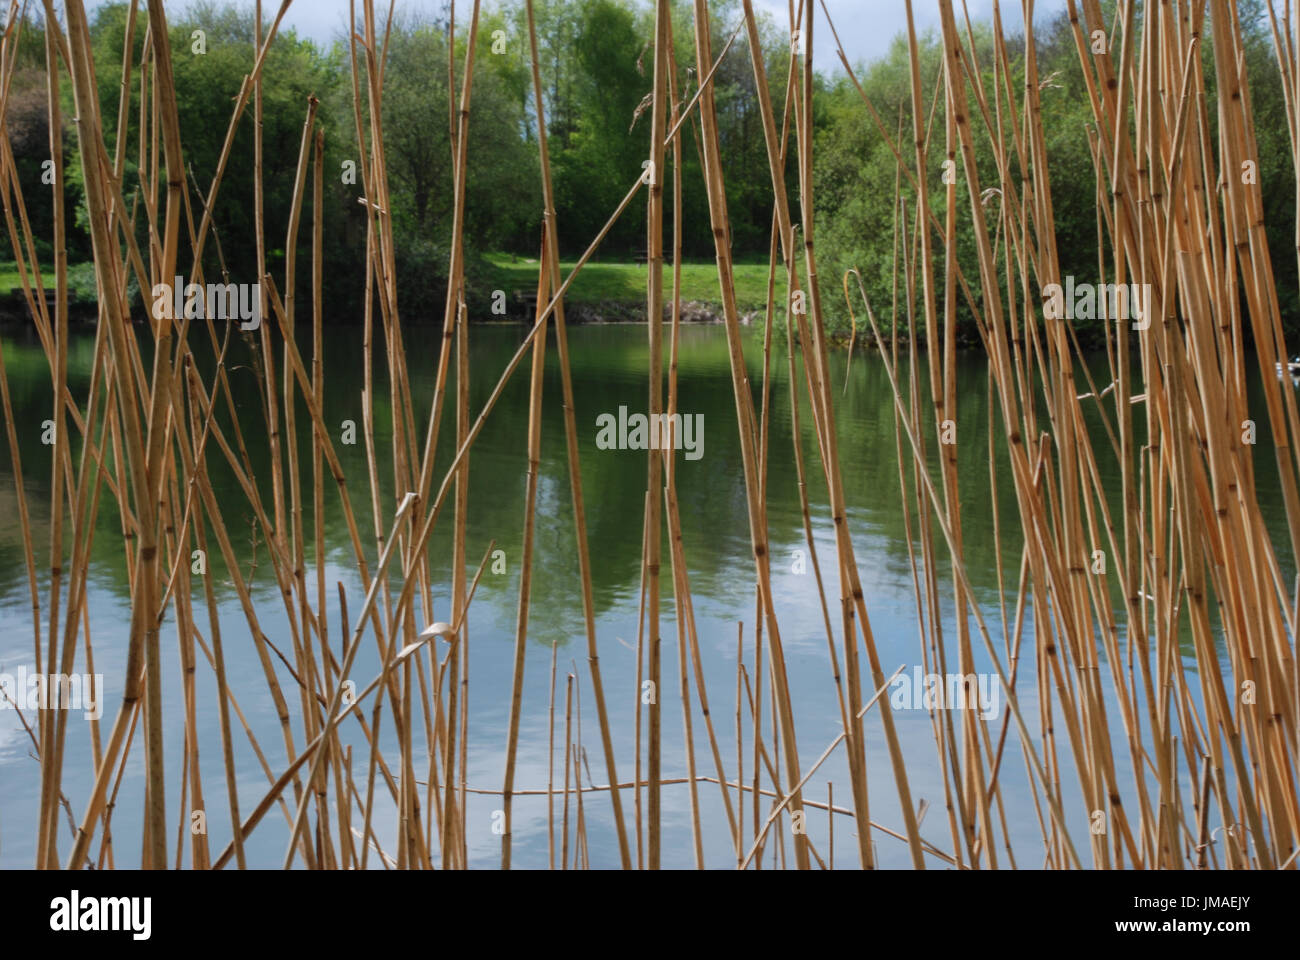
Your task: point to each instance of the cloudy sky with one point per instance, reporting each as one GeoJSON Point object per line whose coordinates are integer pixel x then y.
{"type": "Point", "coordinates": [866, 27]}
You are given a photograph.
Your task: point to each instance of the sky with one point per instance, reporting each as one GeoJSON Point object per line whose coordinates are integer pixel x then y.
{"type": "Point", "coordinates": [866, 27]}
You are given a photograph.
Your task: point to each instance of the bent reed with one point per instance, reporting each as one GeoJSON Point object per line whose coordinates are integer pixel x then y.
{"type": "Point", "coordinates": [1203, 746]}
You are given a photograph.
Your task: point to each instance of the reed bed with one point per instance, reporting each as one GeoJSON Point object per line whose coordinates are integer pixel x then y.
{"type": "Point", "coordinates": [1176, 761]}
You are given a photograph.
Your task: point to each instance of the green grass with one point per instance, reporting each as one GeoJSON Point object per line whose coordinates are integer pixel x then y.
{"type": "Point", "coordinates": [8, 276]}
{"type": "Point", "coordinates": [81, 279]}
{"type": "Point", "coordinates": [611, 281]}
{"type": "Point", "coordinates": [626, 282]}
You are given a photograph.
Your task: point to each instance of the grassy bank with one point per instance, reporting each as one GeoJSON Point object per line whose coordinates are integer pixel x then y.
{"type": "Point", "coordinates": [81, 280]}
{"type": "Point", "coordinates": [622, 282]}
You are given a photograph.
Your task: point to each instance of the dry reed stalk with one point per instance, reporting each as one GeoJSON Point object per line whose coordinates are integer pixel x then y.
{"type": "Point", "coordinates": [637, 694]}
{"type": "Point", "coordinates": [526, 554]}
{"type": "Point", "coordinates": [410, 840]}
{"type": "Point", "coordinates": [144, 637]}
{"type": "Point", "coordinates": [1192, 536]}
{"type": "Point", "coordinates": [654, 461]}
{"type": "Point", "coordinates": [680, 606]}
{"type": "Point", "coordinates": [681, 579]}
{"type": "Point", "coordinates": [550, 762]}
{"type": "Point", "coordinates": [52, 718]}
{"type": "Point", "coordinates": [673, 781]}
{"type": "Point", "coordinates": [223, 693]}
{"type": "Point", "coordinates": [178, 540]}
{"type": "Point", "coordinates": [788, 798]}
{"type": "Point", "coordinates": [293, 542]}
{"type": "Point", "coordinates": [960, 571]}
{"type": "Point", "coordinates": [464, 729]}
{"type": "Point", "coordinates": [580, 852]}
{"type": "Point", "coordinates": [756, 708]}
{"type": "Point", "coordinates": [744, 403]}
{"type": "Point", "coordinates": [242, 589]}
{"type": "Point", "coordinates": [318, 483]}
{"type": "Point", "coordinates": [682, 597]}
{"type": "Point", "coordinates": [376, 249]}
{"type": "Point", "coordinates": [740, 752]}
{"type": "Point", "coordinates": [370, 611]}
{"type": "Point", "coordinates": [579, 823]}
{"type": "Point", "coordinates": [568, 746]}
{"type": "Point", "coordinates": [430, 520]}
{"type": "Point", "coordinates": [1186, 391]}
{"type": "Point", "coordinates": [418, 544]}
{"type": "Point", "coordinates": [456, 265]}
{"type": "Point", "coordinates": [333, 714]}
{"type": "Point", "coordinates": [173, 214]}
{"type": "Point", "coordinates": [209, 504]}
{"type": "Point", "coordinates": [943, 389]}
{"type": "Point", "coordinates": [25, 529]}
{"type": "Point", "coordinates": [53, 336]}
{"type": "Point", "coordinates": [942, 729]}
{"type": "Point", "coordinates": [458, 580]}
{"type": "Point", "coordinates": [782, 228]}
{"type": "Point", "coordinates": [851, 588]}
{"type": "Point", "coordinates": [571, 441]}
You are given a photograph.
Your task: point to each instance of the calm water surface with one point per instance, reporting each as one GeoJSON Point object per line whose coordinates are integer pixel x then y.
{"type": "Point", "coordinates": [609, 371]}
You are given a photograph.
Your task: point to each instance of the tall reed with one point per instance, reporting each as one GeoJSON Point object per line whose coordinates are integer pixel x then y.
{"type": "Point", "coordinates": [1184, 760]}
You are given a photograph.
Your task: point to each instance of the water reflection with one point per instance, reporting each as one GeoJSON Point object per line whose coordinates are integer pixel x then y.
{"type": "Point", "coordinates": [609, 364]}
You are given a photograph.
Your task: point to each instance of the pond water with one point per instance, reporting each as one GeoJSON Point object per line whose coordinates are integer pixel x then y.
{"type": "Point", "coordinates": [609, 372]}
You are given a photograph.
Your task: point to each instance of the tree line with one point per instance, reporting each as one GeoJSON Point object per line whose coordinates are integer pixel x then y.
{"type": "Point", "coordinates": [595, 74]}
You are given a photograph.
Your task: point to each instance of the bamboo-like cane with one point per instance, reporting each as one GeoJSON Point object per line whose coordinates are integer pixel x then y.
{"type": "Point", "coordinates": [526, 554]}
{"type": "Point", "coordinates": [1187, 610]}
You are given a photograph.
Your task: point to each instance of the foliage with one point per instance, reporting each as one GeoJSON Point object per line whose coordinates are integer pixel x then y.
{"type": "Point", "coordinates": [594, 64]}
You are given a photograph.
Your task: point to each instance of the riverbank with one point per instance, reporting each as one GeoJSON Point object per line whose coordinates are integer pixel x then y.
{"type": "Point", "coordinates": [82, 299]}
{"type": "Point", "coordinates": [504, 290]}
{"type": "Point", "coordinates": [624, 282]}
